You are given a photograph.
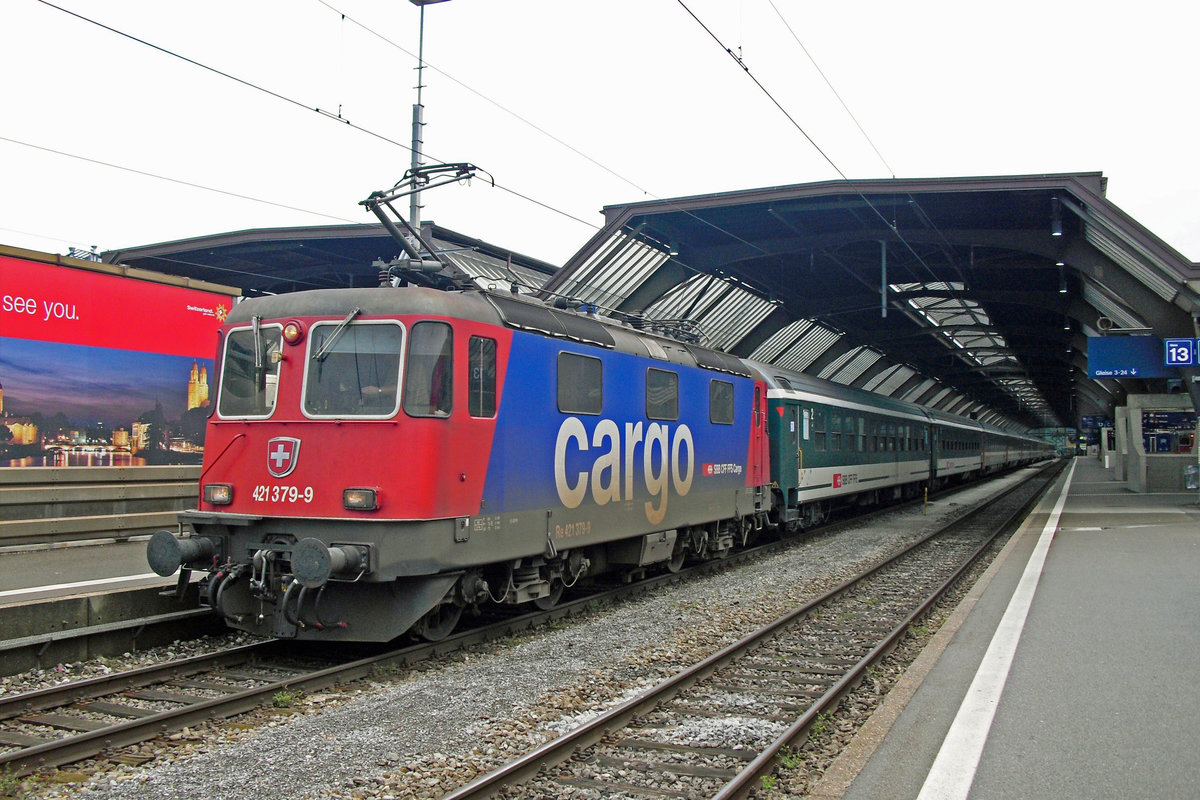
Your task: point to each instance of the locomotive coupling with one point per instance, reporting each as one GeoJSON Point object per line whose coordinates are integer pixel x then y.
{"type": "Point", "coordinates": [313, 563]}
{"type": "Point", "coordinates": [165, 553]}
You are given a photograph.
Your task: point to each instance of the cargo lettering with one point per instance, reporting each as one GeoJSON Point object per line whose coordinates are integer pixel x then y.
{"type": "Point", "coordinates": [668, 460]}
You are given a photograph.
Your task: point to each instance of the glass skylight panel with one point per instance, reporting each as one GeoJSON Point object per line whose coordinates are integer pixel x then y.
{"type": "Point", "coordinates": [851, 366]}
{"type": "Point", "coordinates": [777, 342]}
{"type": "Point", "coordinates": [810, 347]}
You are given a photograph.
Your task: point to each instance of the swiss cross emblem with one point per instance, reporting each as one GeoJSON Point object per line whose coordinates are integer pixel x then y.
{"type": "Point", "coordinates": [283, 453]}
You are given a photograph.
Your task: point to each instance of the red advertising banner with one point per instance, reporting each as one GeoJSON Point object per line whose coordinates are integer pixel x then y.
{"type": "Point", "coordinates": [103, 369]}
{"type": "Point", "coordinates": [49, 303]}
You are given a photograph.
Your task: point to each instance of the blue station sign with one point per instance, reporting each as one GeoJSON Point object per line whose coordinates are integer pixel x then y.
{"type": "Point", "coordinates": [1132, 357]}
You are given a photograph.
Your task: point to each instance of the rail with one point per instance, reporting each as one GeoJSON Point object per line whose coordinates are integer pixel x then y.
{"type": "Point", "coordinates": [54, 505]}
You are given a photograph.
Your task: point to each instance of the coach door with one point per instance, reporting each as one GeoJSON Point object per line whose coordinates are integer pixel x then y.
{"type": "Point", "coordinates": [797, 427]}
{"type": "Point", "coordinates": [932, 435]}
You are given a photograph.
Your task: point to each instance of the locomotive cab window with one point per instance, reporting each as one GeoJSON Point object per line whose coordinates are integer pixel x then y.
{"type": "Point", "coordinates": [580, 384]}
{"type": "Point", "coordinates": [662, 394]}
{"type": "Point", "coordinates": [720, 402]}
{"type": "Point", "coordinates": [353, 370]}
{"type": "Point", "coordinates": [250, 372]}
{"type": "Point", "coordinates": [429, 373]}
{"type": "Point", "coordinates": [482, 357]}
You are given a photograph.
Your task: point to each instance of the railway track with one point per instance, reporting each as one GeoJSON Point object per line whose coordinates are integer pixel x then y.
{"type": "Point", "coordinates": [99, 716]}
{"type": "Point", "coordinates": [70, 722]}
{"type": "Point", "coordinates": [718, 729]}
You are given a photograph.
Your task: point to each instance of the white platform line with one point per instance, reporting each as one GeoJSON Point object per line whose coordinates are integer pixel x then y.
{"type": "Point", "coordinates": [77, 585]}
{"type": "Point", "coordinates": [953, 770]}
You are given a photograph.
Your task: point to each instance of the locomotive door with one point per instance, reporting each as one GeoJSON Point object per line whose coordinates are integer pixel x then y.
{"type": "Point", "coordinates": [759, 435]}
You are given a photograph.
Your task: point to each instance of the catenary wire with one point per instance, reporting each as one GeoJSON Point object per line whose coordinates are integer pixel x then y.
{"type": "Point", "coordinates": [179, 181]}
{"type": "Point", "coordinates": [828, 83]}
{"type": "Point", "coordinates": [292, 101]}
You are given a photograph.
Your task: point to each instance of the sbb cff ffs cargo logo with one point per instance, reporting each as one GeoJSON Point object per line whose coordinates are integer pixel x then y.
{"type": "Point", "coordinates": [283, 453]}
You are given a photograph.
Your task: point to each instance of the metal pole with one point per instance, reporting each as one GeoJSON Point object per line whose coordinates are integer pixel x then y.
{"type": "Point", "coordinates": [418, 122]}
{"type": "Point", "coordinates": [883, 284]}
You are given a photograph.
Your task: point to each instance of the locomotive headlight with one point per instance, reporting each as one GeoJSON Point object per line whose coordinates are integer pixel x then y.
{"type": "Point", "coordinates": [360, 499]}
{"type": "Point", "coordinates": [293, 332]}
{"type": "Point", "coordinates": [218, 494]}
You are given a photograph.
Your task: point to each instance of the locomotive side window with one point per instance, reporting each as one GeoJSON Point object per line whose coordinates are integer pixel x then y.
{"type": "Point", "coordinates": [662, 394]}
{"type": "Point", "coordinates": [249, 384]}
{"type": "Point", "coordinates": [429, 374]}
{"type": "Point", "coordinates": [580, 384]}
{"type": "Point", "coordinates": [720, 402]}
{"type": "Point", "coordinates": [353, 371]}
{"type": "Point", "coordinates": [481, 401]}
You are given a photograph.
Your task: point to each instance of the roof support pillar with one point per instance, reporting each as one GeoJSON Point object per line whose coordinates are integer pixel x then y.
{"type": "Point", "coordinates": [883, 283]}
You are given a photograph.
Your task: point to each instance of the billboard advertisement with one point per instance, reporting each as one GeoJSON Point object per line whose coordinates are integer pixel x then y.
{"type": "Point", "coordinates": [98, 368]}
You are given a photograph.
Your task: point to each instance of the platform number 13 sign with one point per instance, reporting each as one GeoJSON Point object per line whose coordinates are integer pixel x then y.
{"type": "Point", "coordinates": [1180, 352]}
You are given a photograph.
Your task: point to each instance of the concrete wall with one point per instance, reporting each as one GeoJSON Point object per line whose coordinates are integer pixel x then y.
{"type": "Point", "coordinates": [42, 505]}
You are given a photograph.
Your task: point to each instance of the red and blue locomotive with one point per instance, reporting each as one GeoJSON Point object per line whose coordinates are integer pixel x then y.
{"type": "Point", "coordinates": [379, 459]}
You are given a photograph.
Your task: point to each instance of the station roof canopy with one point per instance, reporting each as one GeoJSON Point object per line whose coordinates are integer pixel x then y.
{"type": "Point", "coordinates": [971, 295]}
{"type": "Point", "coordinates": [277, 260]}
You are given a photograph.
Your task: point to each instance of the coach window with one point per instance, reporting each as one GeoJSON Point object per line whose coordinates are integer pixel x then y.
{"type": "Point", "coordinates": [429, 376]}
{"type": "Point", "coordinates": [862, 435]}
{"type": "Point", "coordinates": [835, 433]}
{"type": "Point", "coordinates": [819, 429]}
{"type": "Point", "coordinates": [662, 394]}
{"type": "Point", "coordinates": [248, 384]}
{"type": "Point", "coordinates": [580, 384]}
{"type": "Point", "coordinates": [720, 402]}
{"type": "Point", "coordinates": [353, 370]}
{"type": "Point", "coordinates": [481, 400]}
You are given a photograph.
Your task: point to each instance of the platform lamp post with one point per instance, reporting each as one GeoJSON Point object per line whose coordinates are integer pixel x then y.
{"type": "Point", "coordinates": [418, 120]}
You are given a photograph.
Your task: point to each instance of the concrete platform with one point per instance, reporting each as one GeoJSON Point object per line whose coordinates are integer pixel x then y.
{"type": "Point", "coordinates": [1068, 672]}
{"type": "Point", "coordinates": [39, 573]}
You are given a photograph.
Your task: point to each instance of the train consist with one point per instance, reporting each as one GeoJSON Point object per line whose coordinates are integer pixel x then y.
{"type": "Point", "coordinates": [379, 460]}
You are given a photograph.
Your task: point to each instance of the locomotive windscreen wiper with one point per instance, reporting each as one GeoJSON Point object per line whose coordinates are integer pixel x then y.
{"type": "Point", "coordinates": [333, 337]}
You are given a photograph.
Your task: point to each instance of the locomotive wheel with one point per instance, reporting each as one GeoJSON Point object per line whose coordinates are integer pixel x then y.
{"type": "Point", "coordinates": [551, 600]}
{"type": "Point", "coordinates": [677, 559]}
{"type": "Point", "coordinates": [438, 622]}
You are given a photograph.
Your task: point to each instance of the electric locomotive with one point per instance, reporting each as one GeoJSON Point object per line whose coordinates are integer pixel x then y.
{"type": "Point", "coordinates": [379, 459]}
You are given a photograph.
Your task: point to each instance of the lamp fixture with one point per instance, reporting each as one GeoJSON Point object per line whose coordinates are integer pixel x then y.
{"type": "Point", "coordinates": [1055, 216]}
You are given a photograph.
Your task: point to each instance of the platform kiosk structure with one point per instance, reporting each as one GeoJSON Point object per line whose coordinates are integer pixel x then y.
{"type": "Point", "coordinates": [1150, 457]}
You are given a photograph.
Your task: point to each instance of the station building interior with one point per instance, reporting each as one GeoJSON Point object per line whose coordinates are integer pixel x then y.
{"type": "Point", "coordinates": [1027, 302]}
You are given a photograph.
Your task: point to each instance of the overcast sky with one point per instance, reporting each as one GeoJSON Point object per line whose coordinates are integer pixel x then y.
{"type": "Point", "coordinates": [571, 106]}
